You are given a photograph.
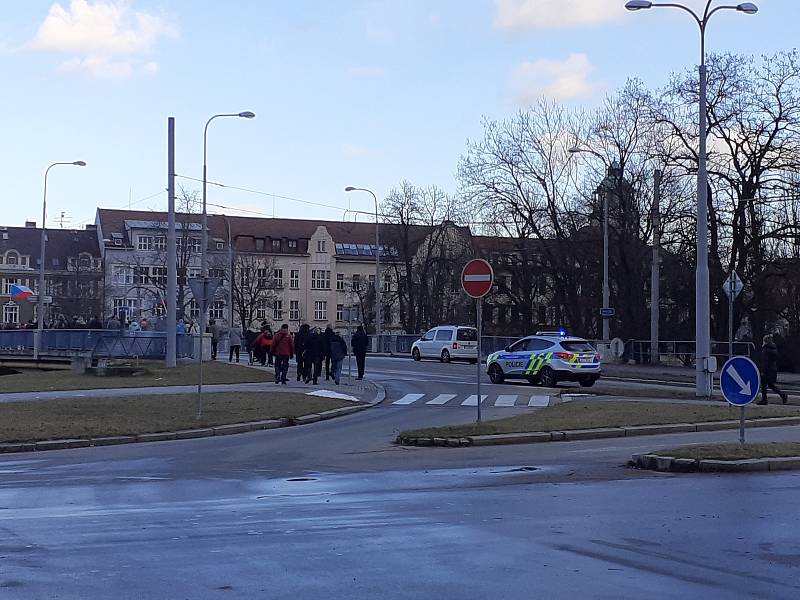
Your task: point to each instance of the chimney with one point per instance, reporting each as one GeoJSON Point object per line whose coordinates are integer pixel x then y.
{"type": "Point", "coordinates": [30, 224]}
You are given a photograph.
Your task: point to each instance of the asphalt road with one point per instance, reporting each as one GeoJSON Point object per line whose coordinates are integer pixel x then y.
{"type": "Point", "coordinates": [334, 510]}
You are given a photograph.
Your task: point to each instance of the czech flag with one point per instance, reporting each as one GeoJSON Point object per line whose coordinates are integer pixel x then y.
{"type": "Point", "coordinates": [20, 292]}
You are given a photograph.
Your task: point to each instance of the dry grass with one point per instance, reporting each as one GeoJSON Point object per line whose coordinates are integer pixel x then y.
{"type": "Point", "coordinates": [589, 414]}
{"type": "Point", "coordinates": [98, 417]}
{"type": "Point", "coordinates": [734, 451]}
{"type": "Point", "coordinates": [157, 375]}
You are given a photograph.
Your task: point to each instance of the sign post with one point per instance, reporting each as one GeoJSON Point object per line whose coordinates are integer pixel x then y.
{"type": "Point", "coordinates": [203, 290]}
{"type": "Point", "coordinates": [740, 382]}
{"type": "Point", "coordinates": [476, 281]}
{"type": "Point", "coordinates": [732, 287]}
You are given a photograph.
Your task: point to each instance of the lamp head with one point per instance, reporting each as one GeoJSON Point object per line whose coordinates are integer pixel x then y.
{"type": "Point", "coordinates": [349, 188]}
{"type": "Point", "coordinates": [747, 8]}
{"type": "Point", "coordinates": [79, 163]}
{"type": "Point", "coordinates": [247, 115]}
{"type": "Point", "coordinates": [575, 150]}
{"type": "Point", "coordinates": [638, 4]}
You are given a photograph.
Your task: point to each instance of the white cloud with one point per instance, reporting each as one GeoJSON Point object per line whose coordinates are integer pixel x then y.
{"type": "Point", "coordinates": [104, 37]}
{"type": "Point", "coordinates": [366, 72]}
{"type": "Point", "coordinates": [555, 14]}
{"type": "Point", "coordinates": [560, 80]}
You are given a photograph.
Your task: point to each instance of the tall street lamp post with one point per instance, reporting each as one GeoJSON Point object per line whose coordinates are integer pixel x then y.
{"type": "Point", "coordinates": [704, 364]}
{"type": "Point", "coordinates": [40, 300]}
{"type": "Point", "coordinates": [378, 289]}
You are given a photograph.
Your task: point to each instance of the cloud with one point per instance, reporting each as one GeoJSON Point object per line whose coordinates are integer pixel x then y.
{"type": "Point", "coordinates": [523, 15]}
{"type": "Point", "coordinates": [366, 72]}
{"type": "Point", "coordinates": [106, 38]}
{"type": "Point", "coordinates": [560, 80]}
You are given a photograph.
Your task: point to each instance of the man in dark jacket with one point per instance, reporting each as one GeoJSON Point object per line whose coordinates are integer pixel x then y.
{"type": "Point", "coordinates": [326, 337]}
{"type": "Point", "coordinates": [338, 353]}
{"type": "Point", "coordinates": [300, 350]}
{"type": "Point", "coordinates": [360, 342]}
{"type": "Point", "coordinates": [313, 357]}
{"type": "Point", "coordinates": [769, 370]}
{"type": "Point", "coordinates": [282, 349]}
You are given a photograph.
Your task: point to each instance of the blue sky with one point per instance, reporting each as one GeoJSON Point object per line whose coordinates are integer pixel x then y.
{"type": "Point", "coordinates": [359, 92]}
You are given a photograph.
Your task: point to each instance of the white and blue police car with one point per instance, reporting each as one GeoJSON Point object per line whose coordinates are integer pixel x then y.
{"type": "Point", "coordinates": [545, 359]}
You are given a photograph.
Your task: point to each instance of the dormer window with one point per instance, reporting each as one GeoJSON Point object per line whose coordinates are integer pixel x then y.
{"type": "Point", "coordinates": [220, 245]}
{"type": "Point", "coordinates": [276, 245]}
{"type": "Point", "coordinates": [321, 246]}
{"type": "Point", "coordinates": [259, 245]}
{"type": "Point", "coordinates": [292, 244]}
{"type": "Point", "coordinates": [12, 258]}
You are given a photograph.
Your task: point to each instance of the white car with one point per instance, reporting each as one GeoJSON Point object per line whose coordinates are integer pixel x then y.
{"type": "Point", "coordinates": [447, 342]}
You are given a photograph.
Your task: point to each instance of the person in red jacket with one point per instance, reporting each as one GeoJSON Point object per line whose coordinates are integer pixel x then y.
{"type": "Point", "coordinates": [282, 349]}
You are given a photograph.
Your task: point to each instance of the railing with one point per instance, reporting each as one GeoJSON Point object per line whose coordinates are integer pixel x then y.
{"type": "Point", "coordinates": [105, 343]}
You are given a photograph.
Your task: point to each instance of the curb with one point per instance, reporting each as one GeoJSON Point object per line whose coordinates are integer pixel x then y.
{"type": "Point", "coordinates": [587, 434]}
{"type": "Point", "coordinates": [669, 464]}
{"type": "Point", "coordinates": [184, 434]}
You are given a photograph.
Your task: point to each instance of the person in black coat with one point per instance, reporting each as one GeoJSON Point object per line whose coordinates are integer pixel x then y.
{"type": "Point", "coordinates": [769, 370]}
{"type": "Point", "coordinates": [315, 348]}
{"type": "Point", "coordinates": [338, 354]}
{"type": "Point", "coordinates": [300, 350]}
{"type": "Point", "coordinates": [360, 342]}
{"type": "Point", "coordinates": [327, 337]}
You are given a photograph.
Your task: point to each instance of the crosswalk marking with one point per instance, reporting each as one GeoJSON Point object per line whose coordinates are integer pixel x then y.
{"type": "Point", "coordinates": [441, 399]}
{"type": "Point", "coordinates": [506, 400]}
{"type": "Point", "coordinates": [473, 400]}
{"type": "Point", "coordinates": [408, 399]}
{"type": "Point", "coordinates": [539, 401]}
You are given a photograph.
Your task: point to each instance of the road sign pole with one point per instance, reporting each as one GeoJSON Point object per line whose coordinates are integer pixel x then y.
{"type": "Point", "coordinates": [478, 311]}
{"type": "Point", "coordinates": [730, 318]}
{"type": "Point", "coordinates": [741, 426]}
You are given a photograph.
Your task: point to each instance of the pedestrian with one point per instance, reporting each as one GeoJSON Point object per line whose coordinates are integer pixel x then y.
{"type": "Point", "coordinates": [95, 323]}
{"type": "Point", "coordinates": [315, 348]}
{"type": "Point", "coordinates": [215, 331]}
{"type": "Point", "coordinates": [769, 371]}
{"type": "Point", "coordinates": [360, 342]}
{"type": "Point", "coordinates": [268, 337]}
{"type": "Point", "coordinates": [300, 350]}
{"type": "Point", "coordinates": [338, 353]}
{"type": "Point", "coordinates": [282, 349]}
{"type": "Point", "coordinates": [180, 327]}
{"type": "Point", "coordinates": [134, 327]}
{"type": "Point", "coordinates": [113, 323]}
{"type": "Point", "coordinates": [235, 341]}
{"type": "Point", "coordinates": [327, 346]}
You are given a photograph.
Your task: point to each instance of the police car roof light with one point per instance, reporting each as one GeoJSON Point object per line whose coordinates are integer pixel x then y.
{"type": "Point", "coordinates": [559, 333]}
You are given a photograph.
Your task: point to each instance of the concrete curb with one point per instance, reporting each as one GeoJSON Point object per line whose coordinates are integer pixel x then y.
{"type": "Point", "coordinates": [587, 434]}
{"type": "Point", "coordinates": [669, 464]}
{"type": "Point", "coordinates": [185, 434]}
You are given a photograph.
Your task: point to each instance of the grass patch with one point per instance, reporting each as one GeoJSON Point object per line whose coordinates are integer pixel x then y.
{"type": "Point", "coordinates": [99, 417]}
{"type": "Point", "coordinates": [734, 451]}
{"type": "Point", "coordinates": [157, 375]}
{"type": "Point", "coordinates": [589, 414]}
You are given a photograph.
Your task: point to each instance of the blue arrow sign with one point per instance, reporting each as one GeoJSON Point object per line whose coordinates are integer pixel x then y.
{"type": "Point", "coordinates": [740, 380]}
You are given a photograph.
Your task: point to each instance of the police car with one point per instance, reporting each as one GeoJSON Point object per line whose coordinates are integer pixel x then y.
{"type": "Point", "coordinates": [546, 358]}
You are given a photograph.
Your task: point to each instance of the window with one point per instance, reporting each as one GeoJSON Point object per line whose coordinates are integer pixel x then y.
{"type": "Point", "coordinates": [7, 288]}
{"type": "Point", "coordinates": [577, 347]}
{"type": "Point", "coordinates": [262, 281]}
{"type": "Point", "coordinates": [12, 258]}
{"type": "Point", "coordinates": [218, 273]}
{"type": "Point", "coordinates": [372, 282]}
{"type": "Point", "coordinates": [159, 275]}
{"type": "Point", "coordinates": [444, 335]}
{"type": "Point", "coordinates": [220, 245]}
{"type": "Point", "coordinates": [195, 245]}
{"type": "Point", "coordinates": [292, 244]}
{"type": "Point", "coordinates": [277, 310]}
{"type": "Point", "coordinates": [294, 310]}
{"type": "Point", "coordinates": [259, 245]}
{"type": "Point", "coordinates": [321, 246]}
{"type": "Point", "coordinates": [125, 307]}
{"type": "Point", "coordinates": [320, 280]}
{"type": "Point", "coordinates": [320, 310]}
{"type": "Point", "coordinates": [217, 310]}
{"type": "Point", "coordinates": [356, 282]}
{"type": "Point", "coordinates": [294, 279]}
{"type": "Point", "coordinates": [11, 313]}
{"type": "Point", "coordinates": [261, 310]}
{"type": "Point", "coordinates": [145, 242]}
{"type": "Point", "coordinates": [467, 334]}
{"type": "Point", "coordinates": [387, 283]}
{"type": "Point", "coordinates": [160, 242]}
{"type": "Point", "coordinates": [141, 275]}
{"type": "Point", "coordinates": [277, 276]}
{"type": "Point", "coordinates": [507, 282]}
{"type": "Point", "coordinates": [340, 312]}
{"type": "Point", "coordinates": [194, 309]}
{"type": "Point", "coordinates": [340, 281]}
{"type": "Point", "coordinates": [428, 336]}
{"type": "Point", "coordinates": [194, 273]}
{"type": "Point", "coordinates": [276, 245]}
{"type": "Point", "coordinates": [122, 274]}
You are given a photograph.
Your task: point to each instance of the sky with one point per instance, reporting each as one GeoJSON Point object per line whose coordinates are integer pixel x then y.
{"type": "Point", "coordinates": [365, 93]}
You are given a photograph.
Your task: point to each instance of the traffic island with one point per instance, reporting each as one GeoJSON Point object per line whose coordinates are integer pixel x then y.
{"type": "Point", "coordinates": [722, 458]}
{"type": "Point", "coordinates": [580, 420]}
{"type": "Point", "coordinates": [82, 422]}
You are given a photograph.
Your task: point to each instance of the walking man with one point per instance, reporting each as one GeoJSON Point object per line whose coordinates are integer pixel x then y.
{"type": "Point", "coordinates": [214, 330]}
{"type": "Point", "coordinates": [300, 350]}
{"type": "Point", "coordinates": [313, 357]}
{"type": "Point", "coordinates": [235, 339]}
{"type": "Point", "coordinates": [360, 342]}
{"type": "Point", "coordinates": [338, 353]}
{"type": "Point", "coordinates": [326, 338]}
{"type": "Point", "coordinates": [769, 370]}
{"type": "Point", "coordinates": [282, 349]}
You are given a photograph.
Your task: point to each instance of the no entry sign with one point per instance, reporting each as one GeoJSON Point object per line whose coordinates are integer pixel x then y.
{"type": "Point", "coordinates": [477, 278]}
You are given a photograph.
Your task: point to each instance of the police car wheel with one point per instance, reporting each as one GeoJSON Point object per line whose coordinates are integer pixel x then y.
{"type": "Point", "coordinates": [445, 358]}
{"type": "Point", "coordinates": [547, 377]}
{"type": "Point", "coordinates": [587, 381]}
{"type": "Point", "coordinates": [415, 354]}
{"type": "Point", "coordinates": [496, 374]}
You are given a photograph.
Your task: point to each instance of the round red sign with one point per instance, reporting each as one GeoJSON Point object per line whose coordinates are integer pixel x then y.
{"type": "Point", "coordinates": [477, 278]}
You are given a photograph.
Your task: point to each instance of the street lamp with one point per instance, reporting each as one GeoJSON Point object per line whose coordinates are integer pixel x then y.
{"type": "Point", "coordinates": [378, 291]}
{"type": "Point", "coordinates": [606, 293]}
{"type": "Point", "coordinates": [703, 358]}
{"type": "Point", "coordinates": [40, 300]}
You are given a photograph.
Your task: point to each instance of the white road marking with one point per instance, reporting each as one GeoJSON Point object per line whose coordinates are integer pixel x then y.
{"type": "Point", "coordinates": [473, 400]}
{"type": "Point", "coordinates": [441, 399]}
{"type": "Point", "coordinates": [408, 399]}
{"type": "Point", "coordinates": [539, 401]}
{"type": "Point", "coordinates": [506, 400]}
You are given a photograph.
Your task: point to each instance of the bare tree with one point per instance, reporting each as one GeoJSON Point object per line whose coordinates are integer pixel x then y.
{"type": "Point", "coordinates": [254, 287]}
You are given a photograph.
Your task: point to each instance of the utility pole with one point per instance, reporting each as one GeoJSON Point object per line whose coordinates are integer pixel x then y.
{"type": "Point", "coordinates": [172, 258]}
{"type": "Point", "coordinates": [655, 271]}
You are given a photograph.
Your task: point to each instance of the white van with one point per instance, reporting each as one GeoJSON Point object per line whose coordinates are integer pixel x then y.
{"type": "Point", "coordinates": [447, 342]}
